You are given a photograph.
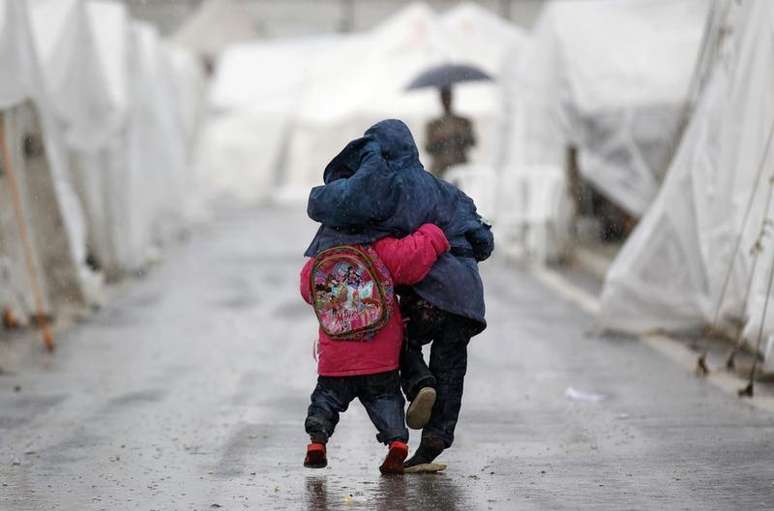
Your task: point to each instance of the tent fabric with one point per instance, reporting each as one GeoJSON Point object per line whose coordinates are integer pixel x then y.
{"type": "Point", "coordinates": [74, 80]}
{"type": "Point", "coordinates": [214, 26]}
{"type": "Point", "coordinates": [332, 88]}
{"type": "Point", "coordinates": [88, 78]}
{"type": "Point", "coordinates": [17, 55]}
{"type": "Point", "coordinates": [670, 273]}
{"type": "Point", "coordinates": [246, 137]}
{"type": "Point", "coordinates": [62, 250]}
{"type": "Point", "coordinates": [98, 169]}
{"type": "Point", "coordinates": [140, 99]}
{"type": "Point", "coordinates": [611, 77]}
{"type": "Point", "coordinates": [157, 160]}
{"type": "Point", "coordinates": [189, 82]}
{"type": "Point", "coordinates": [19, 295]}
{"type": "Point", "coordinates": [186, 83]}
{"type": "Point", "coordinates": [480, 36]}
{"type": "Point", "coordinates": [108, 21]}
{"type": "Point", "coordinates": [339, 102]}
{"type": "Point", "coordinates": [86, 112]}
{"type": "Point", "coordinates": [107, 101]}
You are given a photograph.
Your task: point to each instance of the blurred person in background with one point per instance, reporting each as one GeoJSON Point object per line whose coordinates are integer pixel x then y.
{"type": "Point", "coordinates": [449, 137]}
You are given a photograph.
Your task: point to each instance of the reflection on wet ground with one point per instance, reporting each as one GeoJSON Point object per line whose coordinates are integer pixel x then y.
{"type": "Point", "coordinates": [388, 493]}
{"type": "Point", "coordinates": [189, 392]}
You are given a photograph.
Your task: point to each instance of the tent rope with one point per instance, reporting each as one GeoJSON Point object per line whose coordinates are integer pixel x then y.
{"type": "Point", "coordinates": [48, 339]}
{"type": "Point", "coordinates": [701, 364]}
{"type": "Point", "coordinates": [756, 252]}
{"type": "Point", "coordinates": [745, 219]}
{"type": "Point", "coordinates": [748, 391]}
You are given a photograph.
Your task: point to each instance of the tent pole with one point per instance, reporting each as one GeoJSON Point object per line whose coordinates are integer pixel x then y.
{"type": "Point", "coordinates": [48, 338]}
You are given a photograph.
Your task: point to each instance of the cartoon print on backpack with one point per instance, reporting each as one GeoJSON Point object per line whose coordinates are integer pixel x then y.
{"type": "Point", "coordinates": [352, 293]}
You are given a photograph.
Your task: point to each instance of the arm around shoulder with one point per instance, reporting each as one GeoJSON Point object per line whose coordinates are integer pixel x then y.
{"type": "Point", "coordinates": [410, 259]}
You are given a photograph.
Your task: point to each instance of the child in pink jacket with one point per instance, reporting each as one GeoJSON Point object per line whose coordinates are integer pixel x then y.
{"type": "Point", "coordinates": [359, 297]}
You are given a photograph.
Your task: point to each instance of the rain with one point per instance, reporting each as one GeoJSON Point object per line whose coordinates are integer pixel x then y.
{"type": "Point", "coordinates": [386, 254]}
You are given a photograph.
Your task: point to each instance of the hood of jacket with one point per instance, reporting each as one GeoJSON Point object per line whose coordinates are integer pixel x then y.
{"type": "Point", "coordinates": [390, 138]}
{"type": "Point", "coordinates": [376, 187]}
{"type": "Point", "coordinates": [396, 143]}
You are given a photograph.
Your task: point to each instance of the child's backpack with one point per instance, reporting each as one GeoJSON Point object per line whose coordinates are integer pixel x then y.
{"type": "Point", "coordinates": [352, 292]}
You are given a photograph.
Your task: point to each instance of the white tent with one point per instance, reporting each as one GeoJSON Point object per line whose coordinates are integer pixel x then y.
{"type": "Point", "coordinates": [41, 228]}
{"type": "Point", "coordinates": [73, 78]}
{"type": "Point", "coordinates": [142, 175]}
{"type": "Point", "coordinates": [86, 108]}
{"type": "Point", "coordinates": [100, 168]}
{"type": "Point", "coordinates": [611, 77]}
{"type": "Point", "coordinates": [98, 118]}
{"type": "Point", "coordinates": [342, 105]}
{"type": "Point", "coordinates": [157, 147]}
{"type": "Point", "coordinates": [18, 54]}
{"type": "Point", "coordinates": [248, 129]}
{"type": "Point", "coordinates": [214, 26]}
{"type": "Point", "coordinates": [187, 84]}
{"type": "Point", "coordinates": [127, 107]}
{"type": "Point", "coordinates": [330, 90]}
{"type": "Point", "coordinates": [361, 83]}
{"type": "Point", "coordinates": [480, 36]}
{"type": "Point", "coordinates": [120, 108]}
{"type": "Point", "coordinates": [671, 272]}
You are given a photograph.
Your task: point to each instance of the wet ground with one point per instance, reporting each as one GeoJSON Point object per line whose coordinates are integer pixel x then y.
{"type": "Point", "coordinates": [189, 392]}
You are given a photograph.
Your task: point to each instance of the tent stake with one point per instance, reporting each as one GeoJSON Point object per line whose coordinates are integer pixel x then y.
{"type": "Point", "coordinates": [41, 320]}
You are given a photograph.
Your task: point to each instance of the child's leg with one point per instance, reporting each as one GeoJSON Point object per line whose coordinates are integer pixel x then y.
{"type": "Point", "coordinates": [331, 397]}
{"type": "Point", "coordinates": [422, 322]}
{"type": "Point", "coordinates": [382, 399]}
{"type": "Point", "coordinates": [414, 372]}
{"type": "Point", "coordinates": [448, 361]}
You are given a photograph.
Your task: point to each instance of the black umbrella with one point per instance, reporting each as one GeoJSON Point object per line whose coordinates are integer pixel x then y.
{"type": "Point", "coordinates": [447, 75]}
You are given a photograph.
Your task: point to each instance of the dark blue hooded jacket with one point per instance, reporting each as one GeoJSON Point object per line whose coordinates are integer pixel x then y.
{"type": "Point", "coordinates": [377, 187]}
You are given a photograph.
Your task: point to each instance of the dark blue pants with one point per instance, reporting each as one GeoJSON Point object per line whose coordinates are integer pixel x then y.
{"type": "Point", "coordinates": [449, 335]}
{"type": "Point", "coordinates": [379, 393]}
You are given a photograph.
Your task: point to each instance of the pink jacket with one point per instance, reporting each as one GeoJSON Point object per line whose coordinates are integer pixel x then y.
{"type": "Point", "coordinates": [408, 260]}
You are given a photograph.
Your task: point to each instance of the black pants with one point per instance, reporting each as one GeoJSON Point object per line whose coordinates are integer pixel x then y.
{"type": "Point", "coordinates": [449, 335]}
{"type": "Point", "coordinates": [379, 393]}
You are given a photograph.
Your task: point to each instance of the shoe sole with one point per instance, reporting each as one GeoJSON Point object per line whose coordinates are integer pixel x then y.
{"type": "Point", "coordinates": [393, 463]}
{"type": "Point", "coordinates": [421, 408]}
{"type": "Point", "coordinates": [425, 468]}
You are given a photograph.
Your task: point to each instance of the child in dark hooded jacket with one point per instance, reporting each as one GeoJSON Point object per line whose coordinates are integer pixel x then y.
{"type": "Point", "coordinates": [376, 187]}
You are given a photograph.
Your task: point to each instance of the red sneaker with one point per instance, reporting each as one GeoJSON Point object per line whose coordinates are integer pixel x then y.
{"type": "Point", "coordinates": [393, 463]}
{"type": "Point", "coordinates": [315, 456]}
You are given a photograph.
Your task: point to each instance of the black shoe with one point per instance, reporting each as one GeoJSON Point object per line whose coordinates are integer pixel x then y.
{"type": "Point", "coordinates": [428, 450]}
